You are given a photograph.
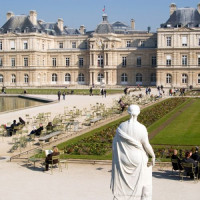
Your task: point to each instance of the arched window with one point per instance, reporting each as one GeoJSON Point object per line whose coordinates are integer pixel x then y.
{"type": "Point", "coordinates": [13, 78]}
{"type": "Point", "coordinates": [198, 78]}
{"type": "Point", "coordinates": [54, 77]}
{"type": "Point", "coordinates": [124, 78]}
{"type": "Point", "coordinates": [1, 78]}
{"type": "Point", "coordinates": [67, 77]}
{"type": "Point", "coordinates": [81, 78]}
{"type": "Point", "coordinates": [138, 78]}
{"type": "Point", "coordinates": [153, 78]}
{"type": "Point", "coordinates": [184, 78]}
{"type": "Point", "coordinates": [168, 78]}
{"type": "Point", "coordinates": [26, 78]}
{"type": "Point", "coordinates": [100, 77]}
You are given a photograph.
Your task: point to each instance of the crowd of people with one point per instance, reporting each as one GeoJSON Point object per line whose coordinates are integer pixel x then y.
{"type": "Point", "coordinates": [190, 157]}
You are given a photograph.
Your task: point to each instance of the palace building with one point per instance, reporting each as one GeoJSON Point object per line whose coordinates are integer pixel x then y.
{"type": "Point", "coordinates": [36, 53]}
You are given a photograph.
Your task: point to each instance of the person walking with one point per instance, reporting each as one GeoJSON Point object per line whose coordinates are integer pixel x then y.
{"type": "Point", "coordinates": [59, 93]}
{"type": "Point", "coordinates": [105, 92]}
{"type": "Point", "coordinates": [91, 90]}
{"type": "Point", "coordinates": [63, 94]}
{"type": "Point", "coordinates": [102, 92]}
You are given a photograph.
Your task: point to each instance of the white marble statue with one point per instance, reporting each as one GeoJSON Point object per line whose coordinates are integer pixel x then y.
{"type": "Point", "coordinates": [131, 177]}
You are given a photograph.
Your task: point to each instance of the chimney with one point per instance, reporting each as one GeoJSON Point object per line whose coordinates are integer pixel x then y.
{"type": "Point", "coordinates": [82, 29]}
{"type": "Point", "coordinates": [132, 23]}
{"type": "Point", "coordinates": [60, 24]}
{"type": "Point", "coordinates": [33, 17]}
{"type": "Point", "coordinates": [198, 7]}
{"type": "Point", "coordinates": [9, 15]}
{"type": "Point", "coordinates": [172, 8]}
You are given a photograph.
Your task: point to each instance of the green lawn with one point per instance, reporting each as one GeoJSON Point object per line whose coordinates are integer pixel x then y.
{"type": "Point", "coordinates": [55, 91]}
{"type": "Point", "coordinates": [184, 130]}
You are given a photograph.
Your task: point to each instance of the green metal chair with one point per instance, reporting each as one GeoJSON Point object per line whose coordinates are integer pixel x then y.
{"type": "Point", "coordinates": [52, 164]}
{"type": "Point", "coordinates": [189, 169]}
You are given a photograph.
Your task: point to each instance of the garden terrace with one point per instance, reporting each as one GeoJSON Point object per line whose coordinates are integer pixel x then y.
{"type": "Point", "coordinates": [97, 144]}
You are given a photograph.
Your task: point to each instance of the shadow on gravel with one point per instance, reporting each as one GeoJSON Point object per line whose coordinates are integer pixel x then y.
{"type": "Point", "coordinates": [167, 174]}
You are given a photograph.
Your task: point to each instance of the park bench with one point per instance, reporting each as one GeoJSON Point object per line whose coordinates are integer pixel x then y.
{"type": "Point", "coordinates": [50, 136]}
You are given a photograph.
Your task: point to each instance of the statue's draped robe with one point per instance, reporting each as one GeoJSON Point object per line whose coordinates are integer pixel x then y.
{"type": "Point", "coordinates": [131, 178]}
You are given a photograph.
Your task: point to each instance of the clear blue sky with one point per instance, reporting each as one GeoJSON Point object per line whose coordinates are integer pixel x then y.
{"type": "Point", "coordinates": [89, 12]}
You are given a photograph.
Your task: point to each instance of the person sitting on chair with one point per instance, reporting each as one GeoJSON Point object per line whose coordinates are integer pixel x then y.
{"type": "Point", "coordinates": [10, 129]}
{"type": "Point", "coordinates": [122, 105]}
{"type": "Point", "coordinates": [50, 126]}
{"type": "Point", "coordinates": [195, 155]}
{"type": "Point", "coordinates": [37, 132]}
{"type": "Point", "coordinates": [188, 159]}
{"type": "Point", "coordinates": [21, 122]}
{"type": "Point", "coordinates": [176, 166]}
{"type": "Point", "coordinates": [48, 159]}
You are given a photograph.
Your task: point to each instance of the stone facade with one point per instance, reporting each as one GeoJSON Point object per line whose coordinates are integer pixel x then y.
{"type": "Point", "coordinates": [35, 53]}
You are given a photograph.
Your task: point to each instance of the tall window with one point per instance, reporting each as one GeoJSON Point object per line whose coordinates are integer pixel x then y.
{"type": "Point", "coordinates": [124, 78]}
{"type": "Point", "coordinates": [54, 62]}
{"type": "Point", "coordinates": [168, 60]}
{"type": "Point", "coordinates": [198, 60]}
{"type": "Point", "coordinates": [138, 78]}
{"type": "Point", "coordinates": [123, 61]}
{"type": "Point", "coordinates": [139, 61]}
{"type": "Point", "coordinates": [1, 62]}
{"type": "Point", "coordinates": [54, 78]}
{"type": "Point", "coordinates": [199, 41]}
{"type": "Point", "coordinates": [25, 44]}
{"type": "Point", "coordinates": [169, 41]}
{"type": "Point", "coordinates": [184, 78]}
{"type": "Point", "coordinates": [168, 78]}
{"type": "Point", "coordinates": [13, 78]}
{"type": "Point", "coordinates": [25, 62]}
{"type": "Point", "coordinates": [184, 60]}
{"type": "Point", "coordinates": [128, 43]}
{"type": "Point", "coordinates": [81, 78]}
{"type": "Point", "coordinates": [80, 62]}
{"type": "Point", "coordinates": [60, 45]}
{"type": "Point", "coordinates": [67, 77]}
{"type": "Point", "coordinates": [153, 61]}
{"type": "Point", "coordinates": [1, 78]}
{"type": "Point", "coordinates": [100, 77]}
{"type": "Point", "coordinates": [106, 58]}
{"type": "Point", "coordinates": [26, 78]}
{"type": "Point", "coordinates": [153, 78]}
{"type": "Point", "coordinates": [184, 41]}
{"type": "Point", "coordinates": [100, 61]}
{"type": "Point", "coordinates": [198, 78]}
{"type": "Point", "coordinates": [67, 62]}
{"type": "Point", "coordinates": [1, 46]}
{"type": "Point", "coordinates": [73, 45]}
{"type": "Point", "coordinates": [13, 62]}
{"type": "Point", "coordinates": [142, 43]}
{"type": "Point", "coordinates": [12, 45]}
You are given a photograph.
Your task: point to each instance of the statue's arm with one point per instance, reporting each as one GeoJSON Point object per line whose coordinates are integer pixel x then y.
{"type": "Point", "coordinates": [148, 148]}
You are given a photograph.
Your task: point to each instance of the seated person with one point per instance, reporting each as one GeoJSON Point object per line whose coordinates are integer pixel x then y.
{"type": "Point", "coordinates": [122, 105]}
{"type": "Point", "coordinates": [175, 165]}
{"type": "Point", "coordinates": [50, 126]}
{"type": "Point", "coordinates": [21, 122]}
{"type": "Point", "coordinates": [11, 128]}
{"type": "Point", "coordinates": [188, 159]}
{"type": "Point", "coordinates": [48, 159]}
{"type": "Point", "coordinates": [37, 132]}
{"type": "Point", "coordinates": [195, 155]}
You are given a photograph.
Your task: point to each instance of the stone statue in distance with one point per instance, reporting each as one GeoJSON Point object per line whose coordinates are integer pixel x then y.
{"type": "Point", "coordinates": [131, 177]}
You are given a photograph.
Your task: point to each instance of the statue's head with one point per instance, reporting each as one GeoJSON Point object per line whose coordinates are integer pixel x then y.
{"type": "Point", "coordinates": [134, 110]}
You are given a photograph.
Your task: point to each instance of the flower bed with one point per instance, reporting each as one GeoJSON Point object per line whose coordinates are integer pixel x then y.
{"type": "Point", "coordinates": [100, 143]}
